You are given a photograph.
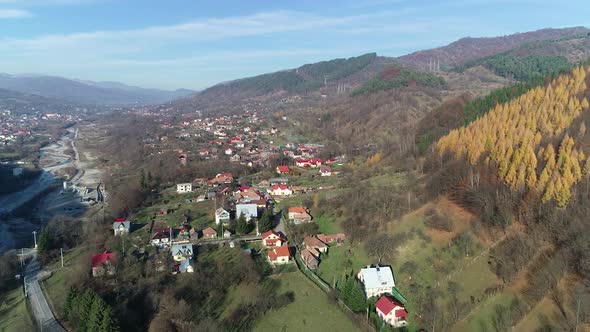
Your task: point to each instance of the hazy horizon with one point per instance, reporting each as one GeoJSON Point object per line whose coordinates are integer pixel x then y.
{"type": "Point", "coordinates": [197, 45]}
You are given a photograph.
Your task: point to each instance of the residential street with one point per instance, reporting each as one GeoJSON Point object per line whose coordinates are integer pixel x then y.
{"type": "Point", "coordinates": [38, 303]}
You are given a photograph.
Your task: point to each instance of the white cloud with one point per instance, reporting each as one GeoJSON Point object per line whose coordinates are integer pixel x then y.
{"type": "Point", "coordinates": [110, 42]}
{"type": "Point", "coordinates": [14, 13]}
{"type": "Point", "coordinates": [45, 2]}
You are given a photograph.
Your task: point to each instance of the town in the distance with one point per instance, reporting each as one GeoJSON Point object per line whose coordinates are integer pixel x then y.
{"type": "Point", "coordinates": [309, 175]}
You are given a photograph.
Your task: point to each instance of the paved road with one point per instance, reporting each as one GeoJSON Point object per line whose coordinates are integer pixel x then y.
{"type": "Point", "coordinates": [202, 242]}
{"type": "Point", "coordinates": [39, 307]}
{"type": "Point", "coordinates": [280, 227]}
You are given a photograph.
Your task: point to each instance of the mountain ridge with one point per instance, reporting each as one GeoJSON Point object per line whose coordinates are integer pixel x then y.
{"type": "Point", "coordinates": [88, 92]}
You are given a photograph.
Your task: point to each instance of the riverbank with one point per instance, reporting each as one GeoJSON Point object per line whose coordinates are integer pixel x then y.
{"type": "Point", "coordinates": [45, 195]}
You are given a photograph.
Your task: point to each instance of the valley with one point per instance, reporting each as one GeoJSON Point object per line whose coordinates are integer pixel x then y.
{"type": "Point", "coordinates": [443, 190]}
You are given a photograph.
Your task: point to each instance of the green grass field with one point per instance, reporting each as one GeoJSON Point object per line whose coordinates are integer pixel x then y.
{"type": "Point", "coordinates": [57, 285]}
{"type": "Point", "coordinates": [337, 263]}
{"type": "Point", "coordinates": [14, 316]}
{"type": "Point", "coordinates": [327, 225]}
{"type": "Point", "coordinates": [481, 315]}
{"type": "Point", "coordinates": [311, 310]}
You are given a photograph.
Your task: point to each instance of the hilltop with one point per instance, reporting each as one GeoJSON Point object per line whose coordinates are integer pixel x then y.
{"type": "Point", "coordinates": [467, 64]}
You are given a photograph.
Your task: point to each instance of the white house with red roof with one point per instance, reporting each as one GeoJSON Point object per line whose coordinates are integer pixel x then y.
{"type": "Point", "coordinates": [283, 169]}
{"type": "Point", "coordinates": [313, 162]}
{"type": "Point", "coordinates": [325, 170]}
{"type": "Point", "coordinates": [299, 214]}
{"type": "Point", "coordinates": [103, 264]}
{"type": "Point", "coordinates": [391, 312]}
{"type": "Point", "coordinates": [280, 190]}
{"type": "Point", "coordinates": [273, 239]}
{"type": "Point", "coordinates": [279, 255]}
{"type": "Point", "coordinates": [302, 163]}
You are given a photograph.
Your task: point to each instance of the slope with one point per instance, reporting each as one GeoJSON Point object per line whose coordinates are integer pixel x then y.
{"type": "Point", "coordinates": [504, 168]}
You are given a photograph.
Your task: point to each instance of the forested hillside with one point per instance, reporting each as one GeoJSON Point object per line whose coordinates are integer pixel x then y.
{"type": "Point", "coordinates": [510, 137]}
{"type": "Point", "coordinates": [523, 168]}
{"type": "Point", "coordinates": [521, 68]}
{"type": "Point", "coordinates": [304, 79]}
{"type": "Point", "coordinates": [399, 77]}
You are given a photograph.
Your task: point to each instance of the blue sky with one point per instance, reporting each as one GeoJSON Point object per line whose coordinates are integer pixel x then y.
{"type": "Point", "coordinates": [197, 43]}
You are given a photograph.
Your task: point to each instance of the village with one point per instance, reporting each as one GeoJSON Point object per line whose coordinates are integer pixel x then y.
{"type": "Point", "coordinates": [264, 215]}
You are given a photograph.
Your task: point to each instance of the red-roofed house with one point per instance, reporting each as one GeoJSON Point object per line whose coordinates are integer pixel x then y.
{"type": "Point", "coordinates": [280, 190]}
{"type": "Point", "coordinates": [283, 169]}
{"type": "Point", "coordinates": [273, 239]}
{"type": "Point", "coordinates": [391, 312]}
{"type": "Point", "coordinates": [302, 163]}
{"type": "Point", "coordinates": [279, 255]}
{"type": "Point", "coordinates": [103, 263]}
{"type": "Point", "coordinates": [222, 178]}
{"type": "Point", "coordinates": [299, 214]}
{"type": "Point", "coordinates": [325, 170]}
{"type": "Point", "coordinates": [315, 162]}
{"type": "Point", "coordinates": [329, 238]}
{"type": "Point", "coordinates": [209, 233]}
{"type": "Point", "coordinates": [313, 242]}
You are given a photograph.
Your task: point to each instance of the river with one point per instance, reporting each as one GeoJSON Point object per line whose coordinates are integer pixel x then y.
{"type": "Point", "coordinates": [52, 159]}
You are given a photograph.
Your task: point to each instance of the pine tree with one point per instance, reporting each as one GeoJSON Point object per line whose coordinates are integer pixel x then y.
{"type": "Point", "coordinates": [108, 323]}
{"type": "Point", "coordinates": [142, 179]}
{"type": "Point", "coordinates": [345, 292]}
{"type": "Point", "coordinates": [44, 242]}
{"type": "Point", "coordinates": [357, 301]}
{"type": "Point", "coordinates": [83, 309]}
{"type": "Point", "coordinates": [242, 225]}
{"type": "Point", "coordinates": [95, 313]}
{"type": "Point", "coordinates": [70, 300]}
{"type": "Point", "coordinates": [265, 222]}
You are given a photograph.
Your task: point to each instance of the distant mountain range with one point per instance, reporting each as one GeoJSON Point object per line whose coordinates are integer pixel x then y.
{"type": "Point", "coordinates": [87, 92]}
{"type": "Point", "coordinates": [549, 47]}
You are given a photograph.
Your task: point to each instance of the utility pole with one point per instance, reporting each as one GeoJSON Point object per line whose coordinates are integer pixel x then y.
{"type": "Point", "coordinates": [61, 253]}
{"type": "Point", "coordinates": [35, 238]}
{"type": "Point", "coordinates": [577, 314]}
